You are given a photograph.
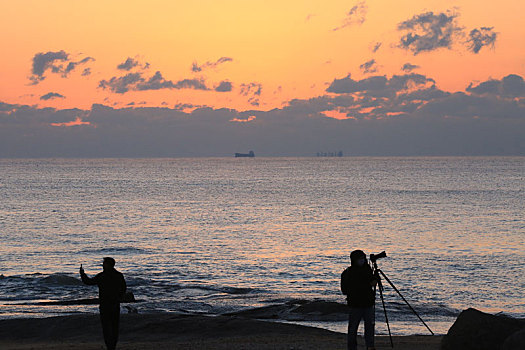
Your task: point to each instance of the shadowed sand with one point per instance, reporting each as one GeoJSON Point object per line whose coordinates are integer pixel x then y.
{"type": "Point", "coordinates": [173, 331]}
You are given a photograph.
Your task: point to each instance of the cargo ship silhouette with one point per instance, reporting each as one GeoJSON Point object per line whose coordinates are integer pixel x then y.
{"type": "Point", "coordinates": [245, 155]}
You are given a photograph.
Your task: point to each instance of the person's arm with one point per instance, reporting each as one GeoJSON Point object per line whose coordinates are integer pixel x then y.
{"type": "Point", "coordinates": [344, 282]}
{"type": "Point", "coordinates": [87, 280]}
{"type": "Point", "coordinates": [122, 287]}
{"type": "Point", "coordinates": [374, 278]}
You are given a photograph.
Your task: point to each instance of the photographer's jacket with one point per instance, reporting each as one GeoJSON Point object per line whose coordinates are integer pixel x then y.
{"type": "Point", "coordinates": [111, 286]}
{"type": "Point", "coordinates": [356, 284]}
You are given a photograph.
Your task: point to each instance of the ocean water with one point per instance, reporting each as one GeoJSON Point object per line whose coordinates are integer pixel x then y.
{"type": "Point", "coordinates": [222, 235]}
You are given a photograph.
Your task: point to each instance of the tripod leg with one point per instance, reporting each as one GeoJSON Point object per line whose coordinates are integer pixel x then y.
{"type": "Point", "coordinates": [384, 309]}
{"type": "Point", "coordinates": [402, 297]}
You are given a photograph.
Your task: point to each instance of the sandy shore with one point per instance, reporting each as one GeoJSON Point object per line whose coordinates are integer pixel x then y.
{"type": "Point", "coordinates": [172, 331]}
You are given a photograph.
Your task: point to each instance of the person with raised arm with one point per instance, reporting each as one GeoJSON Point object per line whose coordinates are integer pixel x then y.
{"type": "Point", "coordinates": [111, 291]}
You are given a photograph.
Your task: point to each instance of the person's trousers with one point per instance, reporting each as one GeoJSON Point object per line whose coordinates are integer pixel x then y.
{"type": "Point", "coordinates": [355, 316]}
{"type": "Point", "coordinates": [110, 317]}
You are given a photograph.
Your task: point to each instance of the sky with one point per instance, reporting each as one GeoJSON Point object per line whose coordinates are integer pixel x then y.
{"type": "Point", "coordinates": [164, 78]}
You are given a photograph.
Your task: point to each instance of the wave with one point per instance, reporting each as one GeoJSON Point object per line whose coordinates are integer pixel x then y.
{"type": "Point", "coordinates": [57, 279]}
{"type": "Point", "coordinates": [117, 250]}
{"type": "Point", "coordinates": [323, 310]}
{"type": "Point", "coordinates": [62, 280]}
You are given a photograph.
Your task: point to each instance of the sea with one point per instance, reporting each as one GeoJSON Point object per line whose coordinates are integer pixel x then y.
{"type": "Point", "coordinates": [225, 235]}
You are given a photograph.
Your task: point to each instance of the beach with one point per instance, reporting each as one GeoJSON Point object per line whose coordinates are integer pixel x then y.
{"type": "Point", "coordinates": [175, 331]}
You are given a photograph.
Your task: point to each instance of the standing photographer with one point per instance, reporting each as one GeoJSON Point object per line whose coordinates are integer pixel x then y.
{"type": "Point", "coordinates": [358, 284]}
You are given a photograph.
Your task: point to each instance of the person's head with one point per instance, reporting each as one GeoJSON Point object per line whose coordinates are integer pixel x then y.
{"type": "Point", "coordinates": [358, 258]}
{"type": "Point", "coordinates": [108, 263]}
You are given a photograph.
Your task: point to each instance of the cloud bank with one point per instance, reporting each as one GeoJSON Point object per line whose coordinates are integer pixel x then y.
{"type": "Point", "coordinates": [404, 114]}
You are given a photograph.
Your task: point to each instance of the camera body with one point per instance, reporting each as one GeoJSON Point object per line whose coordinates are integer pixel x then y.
{"type": "Point", "coordinates": [374, 257]}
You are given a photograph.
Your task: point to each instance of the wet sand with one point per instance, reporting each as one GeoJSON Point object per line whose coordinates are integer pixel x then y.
{"type": "Point", "coordinates": [172, 331]}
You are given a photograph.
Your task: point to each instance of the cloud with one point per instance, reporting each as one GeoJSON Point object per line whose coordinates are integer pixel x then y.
{"type": "Point", "coordinates": [121, 85]}
{"type": "Point", "coordinates": [155, 82]}
{"type": "Point", "coordinates": [369, 66]}
{"type": "Point", "coordinates": [51, 95]}
{"type": "Point", "coordinates": [56, 62]}
{"type": "Point", "coordinates": [129, 64]}
{"type": "Point", "coordinates": [381, 115]}
{"type": "Point", "coordinates": [376, 47]}
{"type": "Point", "coordinates": [136, 82]}
{"type": "Point", "coordinates": [428, 32]}
{"type": "Point", "coordinates": [356, 16]}
{"type": "Point", "coordinates": [348, 85]}
{"type": "Point", "coordinates": [224, 86]}
{"type": "Point", "coordinates": [86, 72]}
{"type": "Point", "coordinates": [72, 65]}
{"type": "Point", "coordinates": [510, 86]}
{"type": "Point", "coordinates": [210, 65]}
{"type": "Point", "coordinates": [407, 67]}
{"type": "Point", "coordinates": [253, 92]}
{"type": "Point", "coordinates": [478, 38]}
{"type": "Point", "coordinates": [196, 84]}
{"type": "Point", "coordinates": [47, 61]}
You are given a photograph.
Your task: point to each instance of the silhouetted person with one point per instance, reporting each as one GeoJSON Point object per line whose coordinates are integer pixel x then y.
{"type": "Point", "coordinates": [357, 283]}
{"type": "Point", "coordinates": [111, 290]}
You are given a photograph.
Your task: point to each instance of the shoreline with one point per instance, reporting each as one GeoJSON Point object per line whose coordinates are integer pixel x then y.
{"type": "Point", "coordinates": [170, 330]}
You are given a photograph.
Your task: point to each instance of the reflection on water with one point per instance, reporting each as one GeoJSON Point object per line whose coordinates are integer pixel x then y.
{"type": "Point", "coordinates": [215, 235]}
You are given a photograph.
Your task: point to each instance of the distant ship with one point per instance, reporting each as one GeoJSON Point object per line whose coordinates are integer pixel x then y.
{"type": "Point", "coordinates": [244, 155]}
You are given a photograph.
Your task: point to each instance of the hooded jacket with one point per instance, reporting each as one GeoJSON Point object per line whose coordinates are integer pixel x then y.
{"type": "Point", "coordinates": [356, 284]}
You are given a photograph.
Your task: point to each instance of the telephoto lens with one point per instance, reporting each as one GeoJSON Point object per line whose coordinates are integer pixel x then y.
{"type": "Point", "coordinates": [374, 257]}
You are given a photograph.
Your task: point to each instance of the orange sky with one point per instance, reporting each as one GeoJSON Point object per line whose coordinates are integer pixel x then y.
{"type": "Point", "coordinates": [288, 48]}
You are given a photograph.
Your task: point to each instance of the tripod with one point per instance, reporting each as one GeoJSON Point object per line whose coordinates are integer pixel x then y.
{"type": "Point", "coordinates": [378, 273]}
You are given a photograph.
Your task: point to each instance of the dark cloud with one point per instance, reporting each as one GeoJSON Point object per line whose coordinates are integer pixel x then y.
{"type": "Point", "coordinates": [429, 31]}
{"type": "Point", "coordinates": [56, 62]}
{"type": "Point", "coordinates": [510, 86]}
{"type": "Point", "coordinates": [86, 72]}
{"type": "Point", "coordinates": [356, 15]}
{"type": "Point", "coordinates": [478, 38]}
{"type": "Point", "coordinates": [416, 118]}
{"type": "Point", "coordinates": [156, 82]}
{"type": "Point", "coordinates": [196, 68]}
{"type": "Point", "coordinates": [407, 67]}
{"type": "Point", "coordinates": [47, 61]}
{"type": "Point", "coordinates": [376, 47]}
{"type": "Point", "coordinates": [224, 86]}
{"type": "Point", "coordinates": [72, 65]}
{"type": "Point", "coordinates": [129, 64]}
{"type": "Point", "coordinates": [121, 85]}
{"type": "Point", "coordinates": [196, 84]}
{"type": "Point", "coordinates": [136, 82]}
{"type": "Point", "coordinates": [51, 95]}
{"type": "Point", "coordinates": [348, 85]}
{"type": "Point", "coordinates": [369, 66]}
{"type": "Point", "coordinates": [253, 92]}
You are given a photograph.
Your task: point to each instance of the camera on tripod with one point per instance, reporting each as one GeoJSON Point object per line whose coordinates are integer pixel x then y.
{"type": "Point", "coordinates": [374, 257]}
{"type": "Point", "coordinates": [378, 273]}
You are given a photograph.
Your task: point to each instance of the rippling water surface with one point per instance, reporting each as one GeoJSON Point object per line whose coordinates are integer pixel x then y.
{"type": "Point", "coordinates": [221, 235]}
